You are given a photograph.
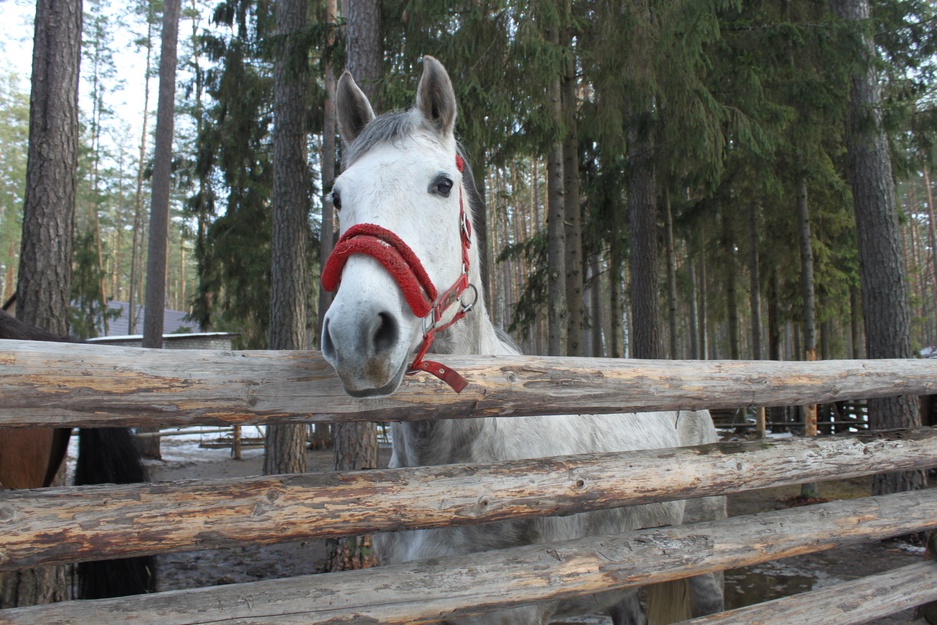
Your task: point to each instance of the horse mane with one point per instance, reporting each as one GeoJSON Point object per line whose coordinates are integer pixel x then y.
{"type": "Point", "coordinates": [386, 128]}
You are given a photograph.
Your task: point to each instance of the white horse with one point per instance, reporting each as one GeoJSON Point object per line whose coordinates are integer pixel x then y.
{"type": "Point", "coordinates": [402, 203]}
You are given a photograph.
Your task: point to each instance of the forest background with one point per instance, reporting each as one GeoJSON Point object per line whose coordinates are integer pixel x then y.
{"type": "Point", "coordinates": [695, 154]}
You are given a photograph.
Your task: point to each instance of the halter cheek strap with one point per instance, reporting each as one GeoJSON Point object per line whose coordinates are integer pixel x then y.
{"type": "Point", "coordinates": [407, 271]}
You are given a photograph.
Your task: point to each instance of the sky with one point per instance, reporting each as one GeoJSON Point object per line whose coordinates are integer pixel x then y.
{"type": "Point", "coordinates": [16, 57]}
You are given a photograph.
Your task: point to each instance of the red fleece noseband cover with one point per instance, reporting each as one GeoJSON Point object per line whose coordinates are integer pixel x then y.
{"type": "Point", "coordinates": [396, 257]}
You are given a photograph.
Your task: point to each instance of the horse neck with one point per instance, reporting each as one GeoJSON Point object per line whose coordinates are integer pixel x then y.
{"type": "Point", "coordinates": [476, 334]}
{"type": "Point", "coordinates": [449, 441]}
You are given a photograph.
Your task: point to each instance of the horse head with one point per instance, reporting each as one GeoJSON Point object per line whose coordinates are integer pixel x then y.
{"type": "Point", "coordinates": [405, 236]}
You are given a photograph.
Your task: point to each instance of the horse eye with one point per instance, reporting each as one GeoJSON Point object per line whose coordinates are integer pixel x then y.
{"type": "Point", "coordinates": [336, 200]}
{"type": "Point", "coordinates": [443, 187]}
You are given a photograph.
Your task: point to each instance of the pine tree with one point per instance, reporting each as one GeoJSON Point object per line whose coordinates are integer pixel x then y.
{"type": "Point", "coordinates": [45, 271]}
{"type": "Point", "coordinates": [285, 445]}
{"type": "Point", "coordinates": [354, 445]}
{"type": "Point", "coordinates": [884, 290]}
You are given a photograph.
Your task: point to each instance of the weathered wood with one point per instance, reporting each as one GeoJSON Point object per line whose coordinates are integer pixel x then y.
{"type": "Point", "coordinates": [425, 591]}
{"type": "Point", "coordinates": [857, 601]}
{"type": "Point", "coordinates": [46, 384]}
{"type": "Point", "coordinates": [46, 526]}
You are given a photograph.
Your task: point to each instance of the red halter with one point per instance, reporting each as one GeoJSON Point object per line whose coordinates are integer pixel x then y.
{"type": "Point", "coordinates": [407, 271]}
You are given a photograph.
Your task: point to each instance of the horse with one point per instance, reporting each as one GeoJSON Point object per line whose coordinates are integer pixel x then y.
{"type": "Point", "coordinates": [406, 201]}
{"type": "Point", "coordinates": [32, 457]}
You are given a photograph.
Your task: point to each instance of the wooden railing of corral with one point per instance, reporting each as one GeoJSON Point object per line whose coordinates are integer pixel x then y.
{"type": "Point", "coordinates": [44, 384]}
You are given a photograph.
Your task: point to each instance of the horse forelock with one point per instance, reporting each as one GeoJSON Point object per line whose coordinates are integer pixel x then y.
{"type": "Point", "coordinates": [387, 128]}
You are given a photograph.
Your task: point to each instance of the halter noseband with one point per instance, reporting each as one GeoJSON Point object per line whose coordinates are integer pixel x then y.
{"type": "Point", "coordinates": [407, 271]}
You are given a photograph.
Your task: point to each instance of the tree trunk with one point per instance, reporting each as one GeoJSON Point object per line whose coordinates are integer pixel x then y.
{"type": "Point", "coordinates": [645, 290]}
{"type": "Point", "coordinates": [573, 221]}
{"type": "Point", "coordinates": [931, 238]}
{"type": "Point", "coordinates": [327, 235]}
{"type": "Point", "coordinates": [557, 311]}
{"type": "Point", "coordinates": [807, 292]}
{"type": "Point", "coordinates": [157, 247]}
{"type": "Point", "coordinates": [45, 280]}
{"type": "Point", "coordinates": [694, 313]}
{"type": "Point", "coordinates": [884, 292]}
{"type": "Point", "coordinates": [558, 308]}
{"type": "Point", "coordinates": [354, 449]}
{"type": "Point", "coordinates": [755, 282]}
{"type": "Point", "coordinates": [755, 298]}
{"type": "Point", "coordinates": [615, 261]}
{"type": "Point", "coordinates": [364, 46]}
{"type": "Point", "coordinates": [162, 179]}
{"type": "Point", "coordinates": [855, 313]}
{"type": "Point", "coordinates": [595, 316]}
{"type": "Point", "coordinates": [732, 301]}
{"type": "Point", "coordinates": [137, 238]}
{"type": "Point", "coordinates": [354, 445]}
{"type": "Point", "coordinates": [703, 307]}
{"type": "Point", "coordinates": [808, 490]}
{"type": "Point", "coordinates": [285, 445]}
{"type": "Point", "coordinates": [671, 278]}
{"type": "Point", "coordinates": [45, 270]}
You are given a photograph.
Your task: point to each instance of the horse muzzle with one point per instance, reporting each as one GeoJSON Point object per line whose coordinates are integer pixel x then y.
{"type": "Point", "coordinates": [365, 336]}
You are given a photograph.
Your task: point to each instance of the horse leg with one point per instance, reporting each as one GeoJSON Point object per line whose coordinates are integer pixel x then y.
{"type": "Point", "coordinates": [628, 611]}
{"type": "Point", "coordinates": [30, 457]}
{"type": "Point", "coordinates": [110, 455]}
{"type": "Point", "coordinates": [707, 594]}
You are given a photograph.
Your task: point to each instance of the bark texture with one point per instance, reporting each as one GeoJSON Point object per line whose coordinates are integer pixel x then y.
{"type": "Point", "coordinates": [364, 45]}
{"type": "Point", "coordinates": [355, 444]}
{"type": "Point", "coordinates": [329, 158]}
{"type": "Point", "coordinates": [576, 323]}
{"type": "Point", "coordinates": [557, 310]}
{"type": "Point", "coordinates": [45, 270]}
{"type": "Point", "coordinates": [354, 448]}
{"type": "Point", "coordinates": [157, 246]}
{"type": "Point", "coordinates": [645, 289]}
{"type": "Point", "coordinates": [448, 588]}
{"type": "Point", "coordinates": [162, 178]}
{"type": "Point", "coordinates": [42, 387]}
{"type": "Point", "coordinates": [285, 445]}
{"type": "Point", "coordinates": [884, 290]}
{"type": "Point", "coordinates": [130, 520]}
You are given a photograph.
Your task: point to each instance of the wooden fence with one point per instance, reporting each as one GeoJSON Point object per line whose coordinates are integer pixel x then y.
{"type": "Point", "coordinates": [62, 384]}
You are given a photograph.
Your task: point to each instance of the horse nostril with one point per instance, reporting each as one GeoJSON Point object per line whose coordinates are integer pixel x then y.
{"type": "Point", "coordinates": [328, 349]}
{"type": "Point", "coordinates": [385, 334]}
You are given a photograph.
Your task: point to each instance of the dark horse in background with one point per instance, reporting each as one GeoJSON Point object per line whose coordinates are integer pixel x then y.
{"type": "Point", "coordinates": [31, 458]}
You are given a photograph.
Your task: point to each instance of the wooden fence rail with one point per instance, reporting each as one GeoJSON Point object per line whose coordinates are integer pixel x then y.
{"type": "Point", "coordinates": [58, 384]}
{"type": "Point", "coordinates": [857, 601]}
{"type": "Point", "coordinates": [430, 590]}
{"type": "Point", "coordinates": [46, 526]}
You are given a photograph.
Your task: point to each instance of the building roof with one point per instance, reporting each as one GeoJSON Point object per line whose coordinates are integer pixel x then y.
{"type": "Point", "coordinates": [174, 321]}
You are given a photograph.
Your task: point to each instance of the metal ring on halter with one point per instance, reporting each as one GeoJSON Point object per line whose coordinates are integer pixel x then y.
{"type": "Point", "coordinates": [468, 307]}
{"type": "Point", "coordinates": [432, 324]}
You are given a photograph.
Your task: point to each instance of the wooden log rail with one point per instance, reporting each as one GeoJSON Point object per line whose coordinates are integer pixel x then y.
{"type": "Point", "coordinates": [430, 590]}
{"type": "Point", "coordinates": [52, 526]}
{"type": "Point", "coordinates": [60, 384]}
{"type": "Point", "coordinates": [857, 601]}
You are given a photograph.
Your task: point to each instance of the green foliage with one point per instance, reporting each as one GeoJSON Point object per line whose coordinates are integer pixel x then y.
{"type": "Point", "coordinates": [14, 137]}
{"type": "Point", "coordinates": [527, 309]}
{"type": "Point", "coordinates": [88, 315]}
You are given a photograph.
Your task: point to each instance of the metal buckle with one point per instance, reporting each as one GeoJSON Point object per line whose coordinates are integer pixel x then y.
{"type": "Point", "coordinates": [466, 308]}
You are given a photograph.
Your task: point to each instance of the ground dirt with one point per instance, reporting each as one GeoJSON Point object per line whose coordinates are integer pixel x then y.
{"type": "Point", "coordinates": [743, 586]}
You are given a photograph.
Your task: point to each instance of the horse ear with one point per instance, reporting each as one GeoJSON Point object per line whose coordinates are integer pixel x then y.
{"type": "Point", "coordinates": [435, 97]}
{"type": "Point", "coordinates": [354, 110]}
